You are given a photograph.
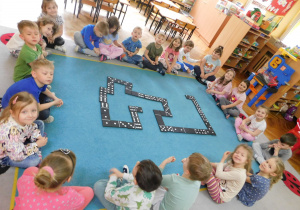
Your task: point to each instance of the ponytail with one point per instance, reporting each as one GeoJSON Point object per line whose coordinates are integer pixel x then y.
{"type": "Point", "coordinates": [219, 50]}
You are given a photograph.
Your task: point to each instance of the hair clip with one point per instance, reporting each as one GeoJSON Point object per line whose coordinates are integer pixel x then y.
{"type": "Point", "coordinates": [49, 169]}
{"type": "Point", "coordinates": [15, 100]}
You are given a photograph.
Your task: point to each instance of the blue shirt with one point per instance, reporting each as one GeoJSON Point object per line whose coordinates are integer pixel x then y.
{"type": "Point", "coordinates": [29, 85]}
{"type": "Point", "coordinates": [250, 193]}
{"type": "Point", "coordinates": [210, 64]}
{"type": "Point", "coordinates": [89, 36]}
{"type": "Point", "coordinates": [109, 39]}
{"type": "Point", "coordinates": [130, 45]}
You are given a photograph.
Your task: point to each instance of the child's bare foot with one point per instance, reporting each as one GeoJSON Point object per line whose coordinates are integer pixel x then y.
{"type": "Point", "coordinates": [227, 116]}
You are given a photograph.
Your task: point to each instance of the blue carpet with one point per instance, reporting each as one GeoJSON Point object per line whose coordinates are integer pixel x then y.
{"type": "Point", "coordinates": [78, 124]}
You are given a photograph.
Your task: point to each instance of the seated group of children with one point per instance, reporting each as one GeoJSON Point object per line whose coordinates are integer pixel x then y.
{"type": "Point", "coordinates": [27, 106]}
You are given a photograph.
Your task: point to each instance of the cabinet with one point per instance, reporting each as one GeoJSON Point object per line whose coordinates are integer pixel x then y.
{"type": "Point", "coordinates": [247, 49]}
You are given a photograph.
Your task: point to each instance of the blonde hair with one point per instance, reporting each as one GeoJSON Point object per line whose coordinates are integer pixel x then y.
{"type": "Point", "coordinates": [41, 62]}
{"type": "Point", "coordinates": [199, 167]}
{"type": "Point", "coordinates": [264, 107]}
{"type": "Point", "coordinates": [62, 163]}
{"type": "Point", "coordinates": [45, 3]}
{"type": "Point", "coordinates": [221, 80]}
{"type": "Point", "coordinates": [161, 35]}
{"type": "Point", "coordinates": [42, 21]}
{"type": "Point", "coordinates": [102, 26]}
{"type": "Point", "coordinates": [137, 28]}
{"type": "Point", "coordinates": [189, 43]}
{"type": "Point", "coordinates": [279, 171]}
{"type": "Point", "coordinates": [16, 103]}
{"type": "Point", "coordinates": [247, 165]}
{"type": "Point", "coordinates": [27, 23]}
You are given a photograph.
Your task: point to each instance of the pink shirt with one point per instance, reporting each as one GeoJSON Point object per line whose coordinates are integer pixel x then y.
{"type": "Point", "coordinates": [221, 88]}
{"type": "Point", "coordinates": [30, 197]}
{"type": "Point", "coordinates": [235, 96]}
{"type": "Point", "coordinates": [171, 55]}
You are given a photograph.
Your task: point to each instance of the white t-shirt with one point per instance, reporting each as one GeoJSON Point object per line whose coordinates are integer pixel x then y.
{"type": "Point", "coordinates": [185, 56]}
{"type": "Point", "coordinates": [15, 43]}
{"type": "Point", "coordinates": [254, 125]}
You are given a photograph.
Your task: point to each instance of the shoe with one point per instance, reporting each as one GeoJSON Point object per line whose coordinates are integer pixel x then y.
{"type": "Point", "coordinates": [140, 64]}
{"type": "Point", "coordinates": [3, 169]}
{"type": "Point", "coordinates": [78, 49]}
{"type": "Point", "coordinates": [50, 119]}
{"type": "Point", "coordinates": [201, 81]}
{"type": "Point", "coordinates": [60, 48]}
{"type": "Point", "coordinates": [125, 169]}
{"type": "Point", "coordinates": [174, 72]}
{"type": "Point", "coordinates": [240, 138]}
{"type": "Point", "coordinates": [192, 72]}
{"type": "Point", "coordinates": [227, 116]}
{"type": "Point", "coordinates": [103, 57]}
{"type": "Point", "coordinates": [162, 72]}
{"type": "Point", "coordinates": [119, 58]}
{"type": "Point", "coordinates": [49, 87]}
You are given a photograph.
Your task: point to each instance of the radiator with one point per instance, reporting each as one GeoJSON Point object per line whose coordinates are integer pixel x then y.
{"type": "Point", "coordinates": [262, 61]}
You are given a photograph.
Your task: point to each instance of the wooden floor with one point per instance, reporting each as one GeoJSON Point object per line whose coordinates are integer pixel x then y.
{"type": "Point", "coordinates": [276, 124]}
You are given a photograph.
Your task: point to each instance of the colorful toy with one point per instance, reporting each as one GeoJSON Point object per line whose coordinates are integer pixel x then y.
{"type": "Point", "coordinates": [281, 74]}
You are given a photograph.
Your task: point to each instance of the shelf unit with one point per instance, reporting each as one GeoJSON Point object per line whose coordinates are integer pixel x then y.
{"type": "Point", "coordinates": [247, 50]}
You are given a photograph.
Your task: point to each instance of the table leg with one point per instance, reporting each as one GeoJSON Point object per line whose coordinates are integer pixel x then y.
{"type": "Point", "coordinates": [161, 22]}
{"type": "Point", "coordinates": [121, 10]}
{"type": "Point", "coordinates": [124, 14]}
{"type": "Point", "coordinates": [149, 15]}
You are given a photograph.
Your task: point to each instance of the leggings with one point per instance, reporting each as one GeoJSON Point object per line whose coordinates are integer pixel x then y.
{"type": "Point", "coordinates": [233, 111]}
{"type": "Point", "coordinates": [176, 67]}
{"type": "Point", "coordinates": [59, 41]}
{"type": "Point", "coordinates": [213, 187]}
{"type": "Point", "coordinates": [197, 71]}
{"type": "Point", "coordinates": [245, 135]}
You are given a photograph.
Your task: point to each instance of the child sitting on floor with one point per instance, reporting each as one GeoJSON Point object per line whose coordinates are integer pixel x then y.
{"type": "Point", "coordinates": [170, 55]}
{"type": "Point", "coordinates": [233, 104]}
{"type": "Point", "coordinates": [180, 192]}
{"type": "Point", "coordinates": [49, 7]}
{"type": "Point", "coordinates": [184, 54]}
{"type": "Point", "coordinates": [257, 124]}
{"type": "Point", "coordinates": [132, 46]}
{"type": "Point", "coordinates": [87, 41]}
{"type": "Point", "coordinates": [153, 52]}
{"type": "Point", "coordinates": [221, 87]}
{"type": "Point", "coordinates": [43, 186]}
{"type": "Point", "coordinates": [110, 48]}
{"type": "Point", "coordinates": [46, 27]}
{"type": "Point", "coordinates": [258, 185]}
{"type": "Point", "coordinates": [137, 193]}
{"type": "Point", "coordinates": [31, 50]}
{"type": "Point", "coordinates": [227, 180]}
{"type": "Point", "coordinates": [209, 66]}
{"type": "Point", "coordinates": [20, 137]}
{"type": "Point", "coordinates": [277, 148]}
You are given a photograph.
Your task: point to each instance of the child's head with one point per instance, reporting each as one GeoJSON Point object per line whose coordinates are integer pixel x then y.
{"type": "Point", "coordinates": [274, 168]}
{"type": "Point", "coordinates": [188, 46]}
{"type": "Point", "coordinates": [137, 33]}
{"type": "Point", "coordinates": [22, 107]}
{"type": "Point", "coordinates": [42, 71]}
{"type": "Point", "coordinates": [160, 38]}
{"type": "Point", "coordinates": [261, 112]}
{"type": "Point", "coordinates": [47, 26]}
{"type": "Point", "coordinates": [55, 169]}
{"type": "Point", "coordinates": [176, 43]}
{"type": "Point", "coordinates": [113, 24]}
{"type": "Point", "coordinates": [147, 175]}
{"type": "Point", "coordinates": [49, 7]}
{"type": "Point", "coordinates": [227, 77]}
{"type": "Point", "coordinates": [101, 28]}
{"type": "Point", "coordinates": [217, 53]}
{"type": "Point", "coordinates": [242, 155]}
{"type": "Point", "coordinates": [243, 86]}
{"type": "Point", "coordinates": [287, 141]}
{"type": "Point", "coordinates": [197, 167]}
{"type": "Point", "coordinates": [29, 32]}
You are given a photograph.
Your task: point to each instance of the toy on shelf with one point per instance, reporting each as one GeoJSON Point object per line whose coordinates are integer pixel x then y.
{"type": "Point", "coordinates": [277, 74]}
{"type": "Point", "coordinates": [239, 65]}
{"type": "Point", "coordinates": [245, 39]}
{"type": "Point", "coordinates": [295, 51]}
{"type": "Point", "coordinates": [238, 51]}
{"type": "Point", "coordinates": [290, 112]}
{"type": "Point", "coordinates": [255, 44]}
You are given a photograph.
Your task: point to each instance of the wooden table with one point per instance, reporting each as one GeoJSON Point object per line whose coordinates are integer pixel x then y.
{"type": "Point", "coordinates": [170, 3]}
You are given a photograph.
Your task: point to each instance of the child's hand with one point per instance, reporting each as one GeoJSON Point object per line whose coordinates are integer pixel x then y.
{"type": "Point", "coordinates": [51, 39]}
{"type": "Point", "coordinates": [97, 50]}
{"type": "Point", "coordinates": [169, 70]}
{"type": "Point", "coordinates": [58, 102]}
{"type": "Point", "coordinates": [130, 54]}
{"type": "Point", "coordinates": [202, 76]}
{"type": "Point", "coordinates": [152, 62]}
{"type": "Point", "coordinates": [42, 141]}
{"type": "Point", "coordinates": [271, 145]}
{"type": "Point", "coordinates": [156, 62]}
{"type": "Point", "coordinates": [225, 155]}
{"type": "Point", "coordinates": [276, 148]}
{"type": "Point", "coordinates": [223, 107]}
{"type": "Point", "coordinates": [170, 159]}
{"type": "Point", "coordinates": [116, 172]}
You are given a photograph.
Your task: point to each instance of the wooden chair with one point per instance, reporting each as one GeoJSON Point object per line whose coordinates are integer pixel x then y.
{"type": "Point", "coordinates": [162, 4]}
{"type": "Point", "coordinates": [175, 9]}
{"type": "Point", "coordinates": [179, 26]}
{"type": "Point", "coordinates": [142, 3]}
{"type": "Point", "coordinates": [93, 3]}
{"type": "Point", "coordinates": [189, 31]}
{"type": "Point", "coordinates": [108, 5]}
{"type": "Point", "coordinates": [153, 14]}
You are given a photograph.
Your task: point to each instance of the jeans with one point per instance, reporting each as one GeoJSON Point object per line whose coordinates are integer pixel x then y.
{"type": "Point", "coordinates": [99, 190]}
{"type": "Point", "coordinates": [136, 59]}
{"type": "Point", "coordinates": [149, 65]}
{"type": "Point", "coordinates": [41, 126]}
{"type": "Point", "coordinates": [43, 115]}
{"type": "Point", "coordinates": [190, 66]}
{"type": "Point", "coordinates": [32, 160]}
{"type": "Point", "coordinates": [198, 73]}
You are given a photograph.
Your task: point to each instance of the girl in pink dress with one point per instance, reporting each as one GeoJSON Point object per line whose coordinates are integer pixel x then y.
{"type": "Point", "coordinates": [41, 188]}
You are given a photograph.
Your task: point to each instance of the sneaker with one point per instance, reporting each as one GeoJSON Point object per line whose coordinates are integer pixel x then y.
{"type": "Point", "coordinates": [50, 119]}
{"type": "Point", "coordinates": [60, 48]}
{"type": "Point", "coordinates": [78, 49]}
{"type": "Point", "coordinates": [201, 81]}
{"type": "Point", "coordinates": [3, 169]}
{"type": "Point", "coordinates": [49, 87]}
{"type": "Point", "coordinates": [240, 138]}
{"type": "Point", "coordinates": [174, 71]}
{"type": "Point", "coordinates": [162, 72]}
{"type": "Point", "coordinates": [125, 169]}
{"type": "Point", "coordinates": [140, 64]}
{"type": "Point", "coordinates": [103, 57]}
{"type": "Point", "coordinates": [192, 72]}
